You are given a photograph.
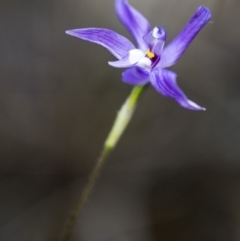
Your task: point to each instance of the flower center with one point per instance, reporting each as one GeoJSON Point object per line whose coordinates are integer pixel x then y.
{"type": "Point", "coordinates": [146, 60]}
{"type": "Point", "coordinates": [150, 54]}
{"type": "Point", "coordinates": [153, 57]}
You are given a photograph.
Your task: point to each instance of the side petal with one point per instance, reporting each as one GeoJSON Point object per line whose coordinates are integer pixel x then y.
{"type": "Point", "coordinates": [176, 48]}
{"type": "Point", "coordinates": [118, 45]}
{"type": "Point", "coordinates": [164, 81]}
{"type": "Point", "coordinates": [134, 21]}
{"type": "Point", "coordinates": [135, 76]}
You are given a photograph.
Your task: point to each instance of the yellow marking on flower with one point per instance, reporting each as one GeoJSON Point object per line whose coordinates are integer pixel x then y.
{"type": "Point", "coordinates": [150, 54]}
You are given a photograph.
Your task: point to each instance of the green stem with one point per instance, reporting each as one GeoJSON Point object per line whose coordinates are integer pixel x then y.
{"type": "Point", "coordinates": [120, 124]}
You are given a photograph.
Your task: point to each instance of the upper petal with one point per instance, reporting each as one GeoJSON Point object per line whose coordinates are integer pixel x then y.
{"type": "Point", "coordinates": [118, 45]}
{"type": "Point", "coordinates": [134, 21]}
{"type": "Point", "coordinates": [176, 48]}
{"type": "Point", "coordinates": [164, 81]}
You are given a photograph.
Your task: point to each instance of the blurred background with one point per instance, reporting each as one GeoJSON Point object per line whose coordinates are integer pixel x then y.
{"type": "Point", "coordinates": [175, 174]}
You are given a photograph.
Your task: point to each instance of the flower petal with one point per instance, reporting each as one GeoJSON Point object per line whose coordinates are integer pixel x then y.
{"type": "Point", "coordinates": [134, 21]}
{"type": "Point", "coordinates": [118, 45]}
{"type": "Point", "coordinates": [135, 76]}
{"type": "Point", "coordinates": [164, 81]}
{"type": "Point", "coordinates": [176, 48]}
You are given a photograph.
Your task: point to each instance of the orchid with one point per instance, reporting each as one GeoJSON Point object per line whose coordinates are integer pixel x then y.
{"type": "Point", "coordinates": [147, 63]}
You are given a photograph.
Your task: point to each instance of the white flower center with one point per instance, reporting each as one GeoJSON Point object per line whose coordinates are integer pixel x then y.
{"type": "Point", "coordinates": [135, 55]}
{"type": "Point", "coordinates": [138, 56]}
{"type": "Point", "coordinates": [145, 63]}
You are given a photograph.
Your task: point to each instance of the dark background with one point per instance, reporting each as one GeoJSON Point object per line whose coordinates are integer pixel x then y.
{"type": "Point", "coordinates": [175, 175]}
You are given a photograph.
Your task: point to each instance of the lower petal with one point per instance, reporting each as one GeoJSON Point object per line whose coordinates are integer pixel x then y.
{"type": "Point", "coordinates": [164, 81]}
{"type": "Point", "coordinates": [135, 76]}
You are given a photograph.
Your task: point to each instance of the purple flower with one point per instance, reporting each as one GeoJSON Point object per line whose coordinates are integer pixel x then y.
{"type": "Point", "coordinates": [148, 61]}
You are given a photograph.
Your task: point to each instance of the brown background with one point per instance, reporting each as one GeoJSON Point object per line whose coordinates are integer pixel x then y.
{"type": "Point", "coordinates": [175, 173]}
